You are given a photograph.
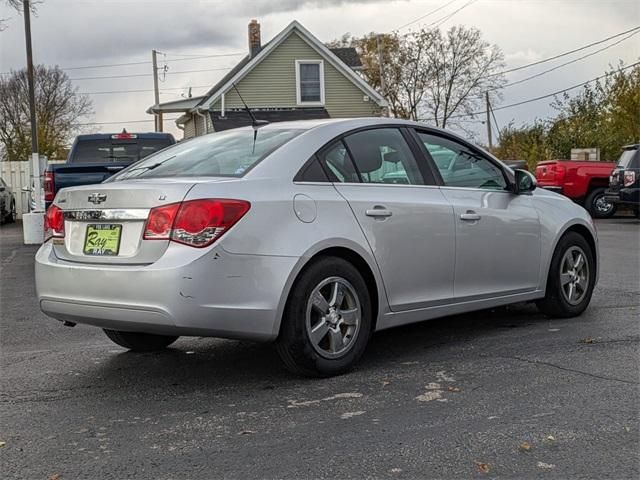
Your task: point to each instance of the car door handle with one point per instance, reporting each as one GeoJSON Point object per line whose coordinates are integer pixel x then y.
{"type": "Point", "coordinates": [114, 169]}
{"type": "Point", "coordinates": [378, 212]}
{"type": "Point", "coordinates": [470, 216]}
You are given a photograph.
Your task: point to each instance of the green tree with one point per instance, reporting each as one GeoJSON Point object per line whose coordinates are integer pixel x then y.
{"type": "Point", "coordinates": [605, 115]}
{"type": "Point", "coordinates": [527, 142]}
{"type": "Point", "coordinates": [59, 107]}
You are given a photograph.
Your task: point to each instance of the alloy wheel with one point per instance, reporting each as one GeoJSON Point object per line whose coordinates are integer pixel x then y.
{"type": "Point", "coordinates": [333, 317]}
{"type": "Point", "coordinates": [574, 275]}
{"type": "Point", "coordinates": [602, 206]}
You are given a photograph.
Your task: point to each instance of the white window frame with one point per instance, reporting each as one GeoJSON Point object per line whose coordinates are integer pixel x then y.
{"type": "Point", "coordinates": [321, 71]}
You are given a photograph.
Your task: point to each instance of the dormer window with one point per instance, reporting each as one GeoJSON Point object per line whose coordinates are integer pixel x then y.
{"type": "Point", "coordinates": [310, 82]}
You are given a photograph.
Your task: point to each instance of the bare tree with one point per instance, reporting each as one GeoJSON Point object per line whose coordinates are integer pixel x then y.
{"type": "Point", "coordinates": [429, 75]}
{"type": "Point", "coordinates": [58, 109]}
{"type": "Point", "coordinates": [462, 68]}
{"type": "Point", "coordinates": [17, 6]}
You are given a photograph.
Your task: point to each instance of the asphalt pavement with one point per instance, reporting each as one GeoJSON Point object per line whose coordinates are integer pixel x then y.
{"type": "Point", "coordinates": [494, 394]}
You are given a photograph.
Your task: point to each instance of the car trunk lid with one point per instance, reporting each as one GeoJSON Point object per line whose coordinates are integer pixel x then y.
{"type": "Point", "coordinates": [104, 224]}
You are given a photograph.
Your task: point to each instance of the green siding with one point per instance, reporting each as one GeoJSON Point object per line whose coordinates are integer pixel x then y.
{"type": "Point", "coordinates": [272, 83]}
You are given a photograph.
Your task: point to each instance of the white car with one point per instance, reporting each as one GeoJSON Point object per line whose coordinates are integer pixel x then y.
{"type": "Point", "coordinates": [313, 235]}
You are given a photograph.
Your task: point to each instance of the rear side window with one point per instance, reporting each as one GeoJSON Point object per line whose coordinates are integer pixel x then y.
{"type": "Point", "coordinates": [383, 156]}
{"type": "Point", "coordinates": [629, 159]}
{"type": "Point", "coordinates": [338, 164]}
{"type": "Point", "coordinates": [107, 150]}
{"type": "Point", "coordinates": [225, 154]}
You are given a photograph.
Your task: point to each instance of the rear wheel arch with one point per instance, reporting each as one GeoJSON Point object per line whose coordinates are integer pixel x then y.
{"type": "Point", "coordinates": [355, 259]}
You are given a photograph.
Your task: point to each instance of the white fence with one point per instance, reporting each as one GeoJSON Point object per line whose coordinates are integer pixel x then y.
{"type": "Point", "coordinates": [16, 175]}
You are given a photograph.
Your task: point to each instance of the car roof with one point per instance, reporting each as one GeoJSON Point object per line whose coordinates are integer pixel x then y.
{"type": "Point", "coordinates": [347, 124]}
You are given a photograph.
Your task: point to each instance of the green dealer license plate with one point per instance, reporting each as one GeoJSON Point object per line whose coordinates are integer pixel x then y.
{"type": "Point", "coordinates": [102, 239]}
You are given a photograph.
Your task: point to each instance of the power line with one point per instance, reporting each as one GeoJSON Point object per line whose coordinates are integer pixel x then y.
{"type": "Point", "coordinates": [121, 122]}
{"type": "Point", "coordinates": [530, 100]}
{"type": "Point", "coordinates": [149, 74]}
{"type": "Point", "coordinates": [128, 64]}
{"type": "Point", "coordinates": [439, 22]}
{"type": "Point", "coordinates": [522, 67]}
{"type": "Point", "coordinates": [143, 90]}
{"type": "Point", "coordinates": [563, 64]}
{"type": "Point", "coordinates": [426, 15]}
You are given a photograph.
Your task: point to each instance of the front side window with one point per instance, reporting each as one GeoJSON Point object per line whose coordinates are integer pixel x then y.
{"type": "Point", "coordinates": [225, 154]}
{"type": "Point", "coordinates": [310, 81]}
{"type": "Point", "coordinates": [382, 155]}
{"type": "Point", "coordinates": [461, 167]}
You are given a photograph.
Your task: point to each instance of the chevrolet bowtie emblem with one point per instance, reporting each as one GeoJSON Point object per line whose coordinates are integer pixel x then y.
{"type": "Point", "coordinates": [97, 198]}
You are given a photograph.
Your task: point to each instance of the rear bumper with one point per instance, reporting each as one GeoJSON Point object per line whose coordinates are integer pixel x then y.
{"type": "Point", "coordinates": [624, 196]}
{"type": "Point", "coordinates": [187, 292]}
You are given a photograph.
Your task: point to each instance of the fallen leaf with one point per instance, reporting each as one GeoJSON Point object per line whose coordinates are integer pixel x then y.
{"type": "Point", "coordinates": [546, 466]}
{"type": "Point", "coordinates": [484, 467]}
{"type": "Point", "coordinates": [454, 389]}
{"type": "Point", "coordinates": [586, 340]}
{"type": "Point", "coordinates": [55, 476]}
{"type": "Point", "coordinates": [395, 470]}
{"type": "Point", "coordinates": [551, 438]}
{"type": "Point", "coordinates": [247, 432]}
{"type": "Point", "coordinates": [525, 447]}
{"type": "Point", "coordinates": [385, 383]}
{"type": "Point", "coordinates": [2, 444]}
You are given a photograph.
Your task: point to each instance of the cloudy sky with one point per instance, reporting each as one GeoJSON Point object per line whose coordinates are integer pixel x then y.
{"type": "Point", "coordinates": [90, 33]}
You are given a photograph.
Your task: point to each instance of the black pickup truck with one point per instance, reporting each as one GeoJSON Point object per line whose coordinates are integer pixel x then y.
{"type": "Point", "coordinates": [624, 183]}
{"type": "Point", "coordinates": [94, 158]}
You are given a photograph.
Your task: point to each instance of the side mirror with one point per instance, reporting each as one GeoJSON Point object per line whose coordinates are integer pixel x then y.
{"type": "Point", "coordinates": [525, 182]}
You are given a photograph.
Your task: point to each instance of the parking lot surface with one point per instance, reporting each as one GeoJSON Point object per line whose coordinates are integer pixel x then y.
{"type": "Point", "coordinates": [505, 393]}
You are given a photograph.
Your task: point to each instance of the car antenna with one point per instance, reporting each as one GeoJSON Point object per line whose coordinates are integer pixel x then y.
{"type": "Point", "coordinates": [255, 123]}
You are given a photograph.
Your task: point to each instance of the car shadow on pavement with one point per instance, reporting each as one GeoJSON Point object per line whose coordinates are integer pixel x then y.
{"type": "Point", "coordinates": [213, 365]}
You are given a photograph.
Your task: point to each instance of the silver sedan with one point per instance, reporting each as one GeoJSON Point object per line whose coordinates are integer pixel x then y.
{"type": "Point", "coordinates": [312, 235]}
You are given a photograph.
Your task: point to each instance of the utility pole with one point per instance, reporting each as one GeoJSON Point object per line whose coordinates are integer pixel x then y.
{"type": "Point", "coordinates": [32, 96]}
{"type": "Point", "coordinates": [383, 87]}
{"type": "Point", "coordinates": [489, 121]}
{"type": "Point", "coordinates": [156, 92]}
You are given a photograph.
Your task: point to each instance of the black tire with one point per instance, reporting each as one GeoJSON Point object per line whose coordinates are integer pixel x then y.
{"type": "Point", "coordinates": [294, 345]}
{"type": "Point", "coordinates": [140, 342]}
{"type": "Point", "coordinates": [594, 204]}
{"type": "Point", "coordinates": [11, 217]}
{"type": "Point", "coordinates": [555, 303]}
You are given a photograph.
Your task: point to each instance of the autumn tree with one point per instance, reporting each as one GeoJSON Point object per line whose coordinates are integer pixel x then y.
{"type": "Point", "coordinates": [430, 75]}
{"type": "Point", "coordinates": [59, 107]}
{"type": "Point", "coordinates": [604, 115]}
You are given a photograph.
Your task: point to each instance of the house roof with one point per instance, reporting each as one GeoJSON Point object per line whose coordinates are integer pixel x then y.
{"type": "Point", "coordinates": [348, 55]}
{"type": "Point", "coordinates": [247, 64]}
{"type": "Point", "coordinates": [181, 105]}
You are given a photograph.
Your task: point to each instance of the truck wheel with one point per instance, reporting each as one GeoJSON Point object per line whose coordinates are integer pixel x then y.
{"type": "Point", "coordinates": [571, 278]}
{"type": "Point", "coordinates": [11, 217]}
{"type": "Point", "coordinates": [140, 342]}
{"type": "Point", "coordinates": [597, 205]}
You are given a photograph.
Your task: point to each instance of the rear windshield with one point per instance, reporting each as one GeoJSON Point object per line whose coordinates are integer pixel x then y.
{"type": "Point", "coordinates": [224, 154]}
{"type": "Point", "coordinates": [629, 159]}
{"type": "Point", "coordinates": [107, 150]}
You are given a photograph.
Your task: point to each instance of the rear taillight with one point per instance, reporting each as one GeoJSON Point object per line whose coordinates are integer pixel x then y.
{"type": "Point", "coordinates": [558, 172]}
{"type": "Point", "coordinates": [53, 223]}
{"type": "Point", "coordinates": [629, 178]}
{"type": "Point", "coordinates": [197, 223]}
{"type": "Point", "coordinates": [49, 187]}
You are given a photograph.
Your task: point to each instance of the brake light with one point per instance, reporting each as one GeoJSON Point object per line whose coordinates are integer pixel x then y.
{"type": "Point", "coordinates": [559, 172]}
{"type": "Point", "coordinates": [629, 178]}
{"type": "Point", "coordinates": [53, 223]}
{"type": "Point", "coordinates": [160, 221]}
{"type": "Point", "coordinates": [197, 223]}
{"type": "Point", "coordinates": [49, 186]}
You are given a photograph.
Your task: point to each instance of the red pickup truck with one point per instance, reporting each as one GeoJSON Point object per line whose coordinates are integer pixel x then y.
{"type": "Point", "coordinates": [583, 182]}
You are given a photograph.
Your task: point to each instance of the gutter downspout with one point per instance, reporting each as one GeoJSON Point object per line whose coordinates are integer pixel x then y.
{"type": "Point", "coordinates": [204, 117]}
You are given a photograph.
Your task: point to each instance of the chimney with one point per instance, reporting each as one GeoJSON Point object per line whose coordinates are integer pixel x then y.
{"type": "Point", "coordinates": [254, 38]}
